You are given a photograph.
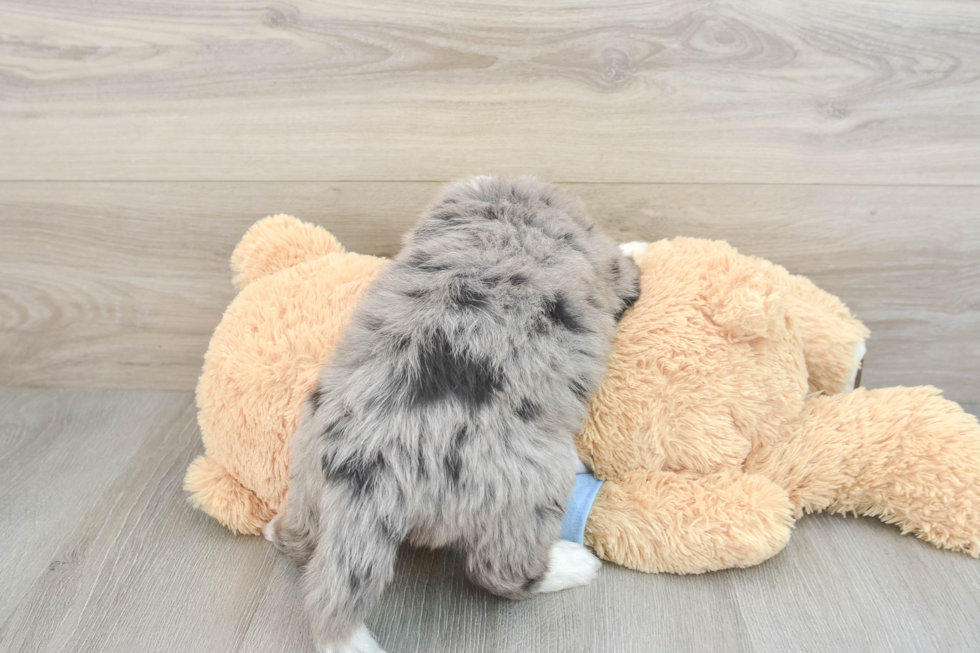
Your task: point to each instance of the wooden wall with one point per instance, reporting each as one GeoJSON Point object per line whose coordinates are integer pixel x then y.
{"type": "Point", "coordinates": [138, 140]}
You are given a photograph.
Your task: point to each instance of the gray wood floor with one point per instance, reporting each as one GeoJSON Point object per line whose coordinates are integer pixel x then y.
{"type": "Point", "coordinates": [101, 552]}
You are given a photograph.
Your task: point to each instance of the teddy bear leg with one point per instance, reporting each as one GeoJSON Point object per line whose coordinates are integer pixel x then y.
{"type": "Point", "coordinates": [905, 455]}
{"type": "Point", "coordinates": [688, 523]}
{"type": "Point", "coordinates": [218, 493]}
{"type": "Point", "coordinates": [833, 340]}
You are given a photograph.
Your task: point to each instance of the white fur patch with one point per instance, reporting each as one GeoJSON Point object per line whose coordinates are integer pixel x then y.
{"type": "Point", "coordinates": [634, 248]}
{"type": "Point", "coordinates": [360, 642]}
{"type": "Point", "coordinates": [571, 565]}
{"type": "Point", "coordinates": [267, 529]}
{"type": "Point", "coordinates": [859, 353]}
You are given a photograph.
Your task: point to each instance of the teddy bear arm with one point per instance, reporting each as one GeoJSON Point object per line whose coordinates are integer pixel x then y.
{"type": "Point", "coordinates": [905, 455]}
{"type": "Point", "coordinates": [276, 243]}
{"type": "Point", "coordinates": [833, 340]}
{"type": "Point", "coordinates": [688, 523]}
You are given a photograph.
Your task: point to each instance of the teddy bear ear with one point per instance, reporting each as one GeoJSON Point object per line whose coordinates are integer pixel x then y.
{"type": "Point", "coordinates": [276, 243]}
{"type": "Point", "coordinates": [741, 297]}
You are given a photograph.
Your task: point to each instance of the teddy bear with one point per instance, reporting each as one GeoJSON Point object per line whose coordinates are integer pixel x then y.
{"type": "Point", "coordinates": [729, 408]}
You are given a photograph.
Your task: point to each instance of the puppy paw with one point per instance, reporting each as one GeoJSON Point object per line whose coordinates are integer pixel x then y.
{"type": "Point", "coordinates": [269, 530]}
{"type": "Point", "coordinates": [360, 642]}
{"type": "Point", "coordinates": [571, 565]}
{"type": "Point", "coordinates": [634, 248]}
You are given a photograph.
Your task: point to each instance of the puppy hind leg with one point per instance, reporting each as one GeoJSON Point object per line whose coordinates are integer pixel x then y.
{"type": "Point", "coordinates": [295, 540]}
{"type": "Point", "coordinates": [516, 558]}
{"type": "Point", "coordinates": [353, 561]}
{"type": "Point", "coordinates": [293, 531]}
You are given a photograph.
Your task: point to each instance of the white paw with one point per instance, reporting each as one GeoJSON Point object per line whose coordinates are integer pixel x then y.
{"type": "Point", "coordinates": [269, 529]}
{"type": "Point", "coordinates": [634, 248]}
{"type": "Point", "coordinates": [571, 565]}
{"type": "Point", "coordinates": [859, 353]}
{"type": "Point", "coordinates": [360, 642]}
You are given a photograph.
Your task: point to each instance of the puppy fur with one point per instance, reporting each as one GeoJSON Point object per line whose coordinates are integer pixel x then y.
{"type": "Point", "coordinates": [446, 413]}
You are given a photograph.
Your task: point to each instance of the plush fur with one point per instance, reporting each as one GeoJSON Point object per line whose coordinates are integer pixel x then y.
{"type": "Point", "coordinates": [447, 412]}
{"type": "Point", "coordinates": [297, 287]}
{"type": "Point", "coordinates": [721, 418]}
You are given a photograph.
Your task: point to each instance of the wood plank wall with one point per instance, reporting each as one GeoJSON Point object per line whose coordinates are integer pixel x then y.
{"type": "Point", "coordinates": [138, 140]}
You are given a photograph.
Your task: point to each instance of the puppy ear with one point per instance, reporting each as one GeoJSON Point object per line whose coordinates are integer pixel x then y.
{"type": "Point", "coordinates": [276, 243]}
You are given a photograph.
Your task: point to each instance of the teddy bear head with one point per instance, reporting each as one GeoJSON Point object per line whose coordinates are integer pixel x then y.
{"type": "Point", "coordinates": [707, 366]}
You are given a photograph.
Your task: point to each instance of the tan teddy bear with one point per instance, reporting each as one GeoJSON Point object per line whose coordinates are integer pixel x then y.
{"type": "Point", "coordinates": [720, 421]}
{"type": "Point", "coordinates": [297, 287]}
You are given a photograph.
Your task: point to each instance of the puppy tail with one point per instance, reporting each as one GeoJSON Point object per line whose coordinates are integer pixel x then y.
{"type": "Point", "coordinates": [353, 562]}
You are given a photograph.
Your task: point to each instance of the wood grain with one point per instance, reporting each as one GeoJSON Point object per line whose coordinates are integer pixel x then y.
{"type": "Point", "coordinates": [835, 92]}
{"type": "Point", "coordinates": [59, 452]}
{"type": "Point", "coordinates": [105, 555]}
{"type": "Point", "coordinates": [122, 284]}
{"type": "Point", "coordinates": [128, 575]}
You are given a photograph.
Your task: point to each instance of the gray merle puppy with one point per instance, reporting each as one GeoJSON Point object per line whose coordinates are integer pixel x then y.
{"type": "Point", "coordinates": [446, 414]}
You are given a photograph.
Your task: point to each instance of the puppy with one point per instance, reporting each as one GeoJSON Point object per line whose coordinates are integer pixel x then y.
{"type": "Point", "coordinates": [447, 411]}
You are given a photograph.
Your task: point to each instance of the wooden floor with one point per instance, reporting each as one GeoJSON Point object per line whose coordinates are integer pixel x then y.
{"type": "Point", "coordinates": [140, 138]}
{"type": "Point", "coordinates": [102, 553]}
